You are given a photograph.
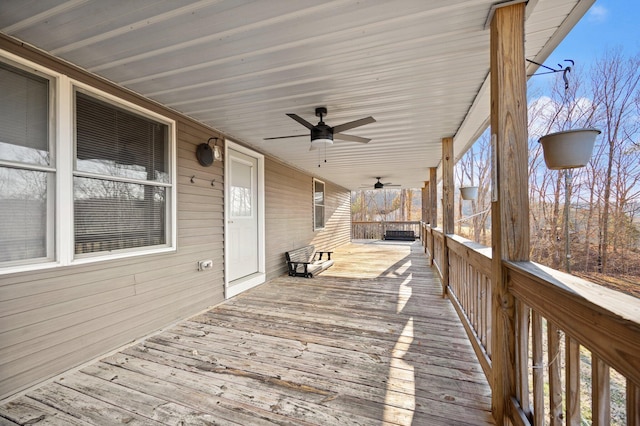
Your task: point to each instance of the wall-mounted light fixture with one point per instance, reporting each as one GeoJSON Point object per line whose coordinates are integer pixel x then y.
{"type": "Point", "coordinates": [206, 154]}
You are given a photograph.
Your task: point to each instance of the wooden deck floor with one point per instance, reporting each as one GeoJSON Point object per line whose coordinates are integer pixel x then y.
{"type": "Point", "coordinates": [368, 342]}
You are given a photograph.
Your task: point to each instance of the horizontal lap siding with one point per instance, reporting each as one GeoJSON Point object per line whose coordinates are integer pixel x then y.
{"type": "Point", "coordinates": [54, 319]}
{"type": "Point", "coordinates": [337, 229]}
{"type": "Point", "coordinates": [289, 215]}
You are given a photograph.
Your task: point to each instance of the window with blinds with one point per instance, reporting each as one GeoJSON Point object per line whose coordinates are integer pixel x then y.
{"type": "Point", "coordinates": [27, 172]}
{"type": "Point", "coordinates": [121, 178]}
{"type": "Point", "coordinates": [119, 155]}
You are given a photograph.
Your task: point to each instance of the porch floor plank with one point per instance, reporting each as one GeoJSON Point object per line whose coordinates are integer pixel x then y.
{"type": "Point", "coordinates": [370, 341]}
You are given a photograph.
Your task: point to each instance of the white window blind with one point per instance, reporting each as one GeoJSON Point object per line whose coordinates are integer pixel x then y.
{"type": "Point", "coordinates": [122, 176]}
{"type": "Point", "coordinates": [26, 175]}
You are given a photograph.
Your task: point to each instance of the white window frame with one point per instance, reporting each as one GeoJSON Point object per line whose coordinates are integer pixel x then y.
{"type": "Point", "coordinates": [170, 225]}
{"type": "Point", "coordinates": [62, 147]}
{"type": "Point", "coordinates": [53, 215]}
{"type": "Point", "coordinates": [323, 205]}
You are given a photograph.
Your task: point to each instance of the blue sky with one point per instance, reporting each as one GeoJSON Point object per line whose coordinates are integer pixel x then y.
{"type": "Point", "coordinates": [607, 24]}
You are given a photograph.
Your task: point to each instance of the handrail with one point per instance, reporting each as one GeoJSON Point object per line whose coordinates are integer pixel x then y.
{"type": "Point", "coordinates": [604, 321]}
{"type": "Point", "coordinates": [558, 317]}
{"type": "Point", "coordinates": [438, 249]}
{"type": "Point", "coordinates": [470, 292]}
{"type": "Point", "coordinates": [576, 314]}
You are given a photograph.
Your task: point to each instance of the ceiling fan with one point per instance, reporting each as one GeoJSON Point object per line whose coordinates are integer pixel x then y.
{"type": "Point", "coordinates": [323, 134]}
{"type": "Point", "coordinates": [380, 185]}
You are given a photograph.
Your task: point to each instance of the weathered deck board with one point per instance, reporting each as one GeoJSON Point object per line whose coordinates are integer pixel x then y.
{"type": "Point", "coordinates": [368, 342]}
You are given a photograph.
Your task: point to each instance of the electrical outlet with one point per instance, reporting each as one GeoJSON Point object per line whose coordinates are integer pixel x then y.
{"type": "Point", "coordinates": [205, 264]}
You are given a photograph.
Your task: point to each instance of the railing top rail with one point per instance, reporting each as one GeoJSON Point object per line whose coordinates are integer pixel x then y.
{"type": "Point", "coordinates": [604, 321]}
{"type": "Point", "coordinates": [476, 247]}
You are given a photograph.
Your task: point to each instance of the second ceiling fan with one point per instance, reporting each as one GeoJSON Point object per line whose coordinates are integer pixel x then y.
{"type": "Point", "coordinates": [379, 185]}
{"type": "Point", "coordinates": [323, 134]}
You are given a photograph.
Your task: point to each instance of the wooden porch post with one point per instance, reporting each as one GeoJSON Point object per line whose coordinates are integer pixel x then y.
{"type": "Point", "coordinates": [425, 214]}
{"type": "Point", "coordinates": [510, 205]}
{"type": "Point", "coordinates": [433, 208]}
{"type": "Point", "coordinates": [447, 207]}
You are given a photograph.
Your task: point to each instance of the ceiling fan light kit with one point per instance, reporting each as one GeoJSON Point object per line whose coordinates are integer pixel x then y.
{"type": "Point", "coordinates": [321, 134]}
{"type": "Point", "coordinates": [320, 139]}
{"type": "Point", "coordinates": [317, 143]}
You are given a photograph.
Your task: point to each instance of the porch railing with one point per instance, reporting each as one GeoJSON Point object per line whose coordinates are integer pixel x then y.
{"type": "Point", "coordinates": [566, 337]}
{"type": "Point", "coordinates": [470, 292]}
{"type": "Point", "coordinates": [376, 230]}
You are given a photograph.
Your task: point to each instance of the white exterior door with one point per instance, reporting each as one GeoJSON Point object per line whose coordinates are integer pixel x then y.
{"type": "Point", "coordinates": [244, 220]}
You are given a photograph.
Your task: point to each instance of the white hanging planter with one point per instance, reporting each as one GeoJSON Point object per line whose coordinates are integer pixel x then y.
{"type": "Point", "coordinates": [469, 192]}
{"type": "Point", "coordinates": [568, 149]}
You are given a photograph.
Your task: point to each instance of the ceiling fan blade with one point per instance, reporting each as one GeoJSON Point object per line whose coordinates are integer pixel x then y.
{"type": "Point", "coordinates": [285, 137]}
{"type": "Point", "coordinates": [350, 138]}
{"type": "Point", "coordinates": [353, 124]}
{"type": "Point", "coordinates": [302, 121]}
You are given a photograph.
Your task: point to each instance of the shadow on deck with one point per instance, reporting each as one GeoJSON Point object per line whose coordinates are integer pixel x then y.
{"type": "Point", "coordinates": [368, 342]}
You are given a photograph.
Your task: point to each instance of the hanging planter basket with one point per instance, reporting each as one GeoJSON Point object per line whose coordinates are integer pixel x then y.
{"type": "Point", "coordinates": [469, 192]}
{"type": "Point", "coordinates": [568, 149]}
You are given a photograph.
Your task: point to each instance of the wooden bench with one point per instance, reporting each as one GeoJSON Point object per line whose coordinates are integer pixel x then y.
{"type": "Point", "coordinates": [398, 235]}
{"type": "Point", "coordinates": [306, 261]}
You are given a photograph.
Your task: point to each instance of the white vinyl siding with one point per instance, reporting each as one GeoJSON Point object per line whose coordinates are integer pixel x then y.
{"type": "Point", "coordinates": [289, 222]}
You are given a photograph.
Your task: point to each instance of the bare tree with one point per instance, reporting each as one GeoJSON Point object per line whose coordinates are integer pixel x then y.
{"type": "Point", "coordinates": [474, 169]}
{"type": "Point", "coordinates": [589, 198]}
{"type": "Point", "coordinates": [615, 81]}
{"type": "Point", "coordinates": [463, 175]}
{"type": "Point", "coordinates": [626, 196]}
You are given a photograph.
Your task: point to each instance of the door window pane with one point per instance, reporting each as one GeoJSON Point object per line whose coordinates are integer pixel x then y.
{"type": "Point", "coordinates": [241, 176]}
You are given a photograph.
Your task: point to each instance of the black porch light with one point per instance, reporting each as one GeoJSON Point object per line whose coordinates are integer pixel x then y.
{"type": "Point", "coordinates": [206, 154]}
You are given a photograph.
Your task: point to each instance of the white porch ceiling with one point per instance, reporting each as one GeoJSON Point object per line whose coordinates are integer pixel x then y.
{"type": "Point", "coordinates": [419, 67]}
